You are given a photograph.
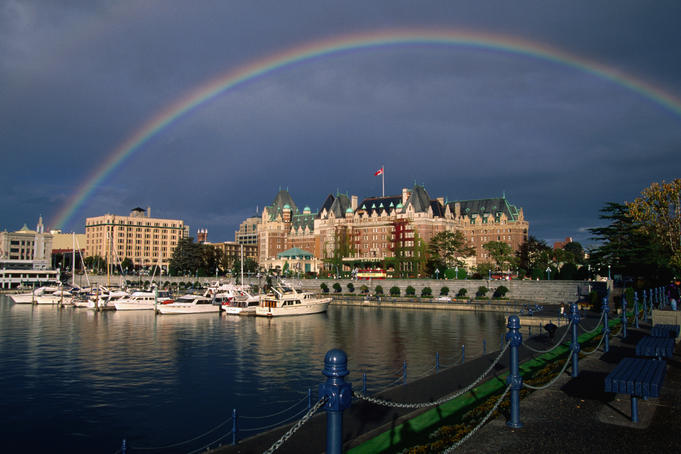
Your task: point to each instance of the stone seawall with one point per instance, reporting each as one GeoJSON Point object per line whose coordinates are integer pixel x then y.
{"type": "Point", "coordinates": [540, 292]}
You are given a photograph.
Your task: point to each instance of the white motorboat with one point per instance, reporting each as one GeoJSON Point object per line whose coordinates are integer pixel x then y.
{"type": "Point", "coordinates": [285, 300]}
{"type": "Point", "coordinates": [243, 304]}
{"type": "Point", "coordinates": [61, 296]}
{"type": "Point", "coordinates": [30, 297]}
{"type": "Point", "coordinates": [189, 304]}
{"type": "Point", "coordinates": [105, 298]}
{"type": "Point", "coordinates": [137, 301]}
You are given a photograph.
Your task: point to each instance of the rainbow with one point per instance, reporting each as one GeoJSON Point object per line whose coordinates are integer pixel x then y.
{"type": "Point", "coordinates": [334, 46]}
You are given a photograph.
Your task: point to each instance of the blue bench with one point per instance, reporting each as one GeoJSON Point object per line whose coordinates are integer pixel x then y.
{"type": "Point", "coordinates": [638, 377]}
{"type": "Point", "coordinates": [657, 347]}
{"type": "Point", "coordinates": [660, 330]}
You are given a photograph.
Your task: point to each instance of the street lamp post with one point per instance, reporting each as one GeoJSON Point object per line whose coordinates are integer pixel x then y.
{"type": "Point", "coordinates": [437, 273]}
{"type": "Point", "coordinates": [608, 272]}
{"type": "Point", "coordinates": [456, 272]}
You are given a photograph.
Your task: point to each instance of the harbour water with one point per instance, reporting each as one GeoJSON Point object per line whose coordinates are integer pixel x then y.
{"type": "Point", "coordinates": [74, 380]}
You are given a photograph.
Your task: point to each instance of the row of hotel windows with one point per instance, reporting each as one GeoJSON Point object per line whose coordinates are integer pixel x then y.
{"type": "Point", "coordinates": [125, 224]}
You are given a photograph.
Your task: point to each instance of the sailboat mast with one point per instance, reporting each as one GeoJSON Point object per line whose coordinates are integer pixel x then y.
{"type": "Point", "coordinates": [242, 264]}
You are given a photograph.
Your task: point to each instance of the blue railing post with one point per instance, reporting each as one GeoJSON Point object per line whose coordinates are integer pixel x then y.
{"type": "Point", "coordinates": [339, 397]}
{"type": "Point", "coordinates": [463, 353]}
{"type": "Point", "coordinates": [606, 326]}
{"type": "Point", "coordinates": [309, 399]}
{"type": "Point", "coordinates": [404, 372]}
{"type": "Point", "coordinates": [124, 447]}
{"type": "Point", "coordinates": [574, 345]}
{"type": "Point", "coordinates": [645, 306]}
{"type": "Point", "coordinates": [364, 383]}
{"type": "Point", "coordinates": [235, 427]}
{"type": "Point", "coordinates": [514, 378]}
{"type": "Point", "coordinates": [484, 347]}
{"type": "Point", "coordinates": [635, 310]}
{"type": "Point", "coordinates": [437, 361]}
{"type": "Point", "coordinates": [624, 316]}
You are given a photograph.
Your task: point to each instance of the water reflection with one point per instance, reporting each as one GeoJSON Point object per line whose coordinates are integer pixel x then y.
{"type": "Point", "coordinates": [88, 379]}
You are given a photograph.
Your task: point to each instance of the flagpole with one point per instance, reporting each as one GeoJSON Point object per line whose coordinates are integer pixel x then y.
{"type": "Point", "coordinates": [383, 180]}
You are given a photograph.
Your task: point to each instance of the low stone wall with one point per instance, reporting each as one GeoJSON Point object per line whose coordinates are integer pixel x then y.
{"type": "Point", "coordinates": [540, 292]}
{"type": "Point", "coordinates": [667, 317]}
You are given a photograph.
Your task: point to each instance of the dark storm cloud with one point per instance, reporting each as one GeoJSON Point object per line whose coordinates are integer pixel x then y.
{"type": "Point", "coordinates": [78, 78]}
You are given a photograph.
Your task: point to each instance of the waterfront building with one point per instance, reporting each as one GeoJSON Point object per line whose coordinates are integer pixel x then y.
{"type": "Point", "coordinates": [25, 256]}
{"type": "Point", "coordinates": [346, 232]}
{"type": "Point", "coordinates": [66, 247]}
{"type": "Point", "coordinates": [248, 231]}
{"type": "Point", "coordinates": [295, 260]}
{"type": "Point", "coordinates": [146, 241]}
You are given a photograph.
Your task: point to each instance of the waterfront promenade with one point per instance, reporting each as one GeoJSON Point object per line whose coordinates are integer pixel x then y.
{"type": "Point", "coordinates": [572, 415]}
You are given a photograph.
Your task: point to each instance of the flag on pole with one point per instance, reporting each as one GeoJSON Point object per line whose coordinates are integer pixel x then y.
{"type": "Point", "coordinates": [379, 172]}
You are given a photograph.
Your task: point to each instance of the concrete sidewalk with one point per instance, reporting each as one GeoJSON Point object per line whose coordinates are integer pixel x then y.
{"type": "Point", "coordinates": [577, 415]}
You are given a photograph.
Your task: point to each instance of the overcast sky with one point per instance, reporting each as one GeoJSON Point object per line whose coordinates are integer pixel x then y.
{"type": "Point", "coordinates": [78, 78]}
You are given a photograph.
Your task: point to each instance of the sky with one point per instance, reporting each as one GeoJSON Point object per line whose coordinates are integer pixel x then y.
{"type": "Point", "coordinates": [80, 79]}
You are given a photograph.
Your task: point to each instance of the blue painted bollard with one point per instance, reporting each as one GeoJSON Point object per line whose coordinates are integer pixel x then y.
{"type": "Point", "coordinates": [463, 354]}
{"type": "Point", "coordinates": [404, 372]}
{"type": "Point", "coordinates": [338, 393]}
{"type": "Point", "coordinates": [124, 447]}
{"type": "Point", "coordinates": [514, 378]}
{"type": "Point", "coordinates": [364, 383]}
{"type": "Point", "coordinates": [635, 310]}
{"type": "Point", "coordinates": [574, 344]}
{"type": "Point", "coordinates": [235, 427]}
{"type": "Point", "coordinates": [484, 347]}
{"type": "Point", "coordinates": [606, 326]}
{"type": "Point", "coordinates": [437, 361]}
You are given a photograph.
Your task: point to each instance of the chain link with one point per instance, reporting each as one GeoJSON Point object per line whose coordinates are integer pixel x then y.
{"type": "Point", "coordinates": [567, 330]}
{"type": "Point", "coordinates": [387, 403]}
{"type": "Point", "coordinates": [595, 349]}
{"type": "Point", "coordinates": [480, 424]}
{"type": "Point", "coordinates": [596, 328]}
{"type": "Point", "coordinates": [284, 438]}
{"type": "Point", "coordinates": [546, 385]}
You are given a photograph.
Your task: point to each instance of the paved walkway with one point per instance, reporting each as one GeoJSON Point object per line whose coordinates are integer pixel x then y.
{"type": "Point", "coordinates": [576, 415]}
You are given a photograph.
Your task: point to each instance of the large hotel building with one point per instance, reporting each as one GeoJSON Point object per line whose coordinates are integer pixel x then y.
{"type": "Point", "coordinates": [379, 228]}
{"type": "Point", "coordinates": [144, 240]}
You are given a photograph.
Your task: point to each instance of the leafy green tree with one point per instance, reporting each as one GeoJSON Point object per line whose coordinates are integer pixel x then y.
{"type": "Point", "coordinates": [378, 290]}
{"type": "Point", "coordinates": [336, 287]}
{"type": "Point", "coordinates": [449, 248]}
{"type": "Point", "coordinates": [461, 293]}
{"type": "Point", "coordinates": [444, 291]}
{"type": "Point", "coordinates": [127, 265]}
{"type": "Point", "coordinates": [500, 292]}
{"type": "Point", "coordinates": [250, 266]}
{"type": "Point", "coordinates": [394, 291]}
{"type": "Point", "coordinates": [482, 291]}
{"type": "Point", "coordinates": [628, 249]}
{"type": "Point", "coordinates": [534, 256]}
{"type": "Point", "coordinates": [364, 289]}
{"type": "Point", "coordinates": [351, 287]}
{"type": "Point", "coordinates": [483, 270]}
{"type": "Point", "coordinates": [324, 287]}
{"type": "Point", "coordinates": [501, 253]}
{"type": "Point", "coordinates": [95, 263]}
{"type": "Point", "coordinates": [426, 292]}
{"type": "Point", "coordinates": [658, 214]}
{"type": "Point", "coordinates": [410, 291]}
{"type": "Point", "coordinates": [186, 258]}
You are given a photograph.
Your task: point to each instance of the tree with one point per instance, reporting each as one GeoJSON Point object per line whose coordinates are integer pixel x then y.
{"type": "Point", "coordinates": [658, 212]}
{"type": "Point", "coordinates": [501, 253]}
{"type": "Point", "coordinates": [426, 292]}
{"type": "Point", "coordinates": [95, 263]}
{"type": "Point", "coordinates": [410, 291]}
{"type": "Point", "coordinates": [336, 287]}
{"type": "Point", "coordinates": [627, 248]}
{"type": "Point", "coordinates": [186, 258]}
{"type": "Point", "coordinates": [324, 287]}
{"type": "Point", "coordinates": [534, 256]}
{"type": "Point", "coordinates": [394, 291]}
{"type": "Point", "coordinates": [250, 266]}
{"type": "Point", "coordinates": [127, 264]}
{"type": "Point", "coordinates": [449, 248]}
{"type": "Point", "coordinates": [444, 291]}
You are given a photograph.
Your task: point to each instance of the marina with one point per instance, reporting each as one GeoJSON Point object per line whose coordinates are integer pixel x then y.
{"type": "Point", "coordinates": [89, 379]}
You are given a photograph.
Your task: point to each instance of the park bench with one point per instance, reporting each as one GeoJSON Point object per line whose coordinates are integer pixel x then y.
{"type": "Point", "coordinates": [638, 377]}
{"type": "Point", "coordinates": [661, 330]}
{"type": "Point", "coordinates": [657, 347]}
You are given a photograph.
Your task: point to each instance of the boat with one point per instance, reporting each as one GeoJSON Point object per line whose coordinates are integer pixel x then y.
{"type": "Point", "coordinates": [243, 304]}
{"type": "Point", "coordinates": [137, 301]}
{"type": "Point", "coordinates": [189, 304]}
{"type": "Point", "coordinates": [285, 300]}
{"type": "Point", "coordinates": [30, 297]}
{"type": "Point", "coordinates": [104, 298]}
{"type": "Point", "coordinates": [61, 296]}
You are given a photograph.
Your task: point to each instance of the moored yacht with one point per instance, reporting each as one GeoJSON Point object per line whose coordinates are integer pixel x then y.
{"type": "Point", "coordinates": [243, 304]}
{"type": "Point", "coordinates": [137, 301]}
{"type": "Point", "coordinates": [189, 304]}
{"type": "Point", "coordinates": [30, 297]}
{"type": "Point", "coordinates": [285, 300]}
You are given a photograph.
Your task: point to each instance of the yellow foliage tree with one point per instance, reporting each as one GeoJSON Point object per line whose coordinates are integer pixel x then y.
{"type": "Point", "coordinates": [658, 211]}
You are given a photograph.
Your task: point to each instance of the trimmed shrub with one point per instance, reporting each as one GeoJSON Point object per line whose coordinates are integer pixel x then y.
{"type": "Point", "coordinates": [426, 292]}
{"type": "Point", "coordinates": [378, 290]}
{"type": "Point", "coordinates": [482, 291]}
{"type": "Point", "coordinates": [500, 292]}
{"type": "Point", "coordinates": [462, 293]}
{"type": "Point", "coordinates": [337, 287]}
{"type": "Point", "coordinates": [351, 287]}
{"type": "Point", "coordinates": [394, 291]}
{"type": "Point", "coordinates": [364, 289]}
{"type": "Point", "coordinates": [324, 287]}
{"type": "Point", "coordinates": [411, 291]}
{"type": "Point", "coordinates": [444, 291]}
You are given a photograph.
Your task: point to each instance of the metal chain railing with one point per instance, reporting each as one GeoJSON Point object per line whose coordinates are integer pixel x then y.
{"type": "Point", "coordinates": [546, 385]}
{"type": "Point", "coordinates": [480, 424]}
{"type": "Point", "coordinates": [180, 443]}
{"type": "Point", "coordinates": [584, 330]}
{"type": "Point", "coordinates": [205, 448]}
{"type": "Point", "coordinates": [387, 403]}
{"type": "Point", "coordinates": [276, 424]}
{"type": "Point", "coordinates": [277, 413]}
{"type": "Point", "coordinates": [595, 349]}
{"type": "Point", "coordinates": [567, 330]}
{"type": "Point", "coordinates": [277, 444]}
